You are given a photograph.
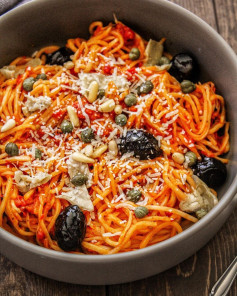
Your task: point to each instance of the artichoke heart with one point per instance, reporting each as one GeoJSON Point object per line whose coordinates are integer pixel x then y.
{"type": "Point", "coordinates": [154, 51]}
{"type": "Point", "coordinates": [201, 201]}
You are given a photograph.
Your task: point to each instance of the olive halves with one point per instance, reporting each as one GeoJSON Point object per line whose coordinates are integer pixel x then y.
{"type": "Point", "coordinates": [211, 171]}
{"type": "Point", "coordinates": [59, 57]}
{"type": "Point", "coordinates": [70, 228]}
{"type": "Point", "coordinates": [183, 67]}
{"type": "Point", "coordinates": [143, 144]}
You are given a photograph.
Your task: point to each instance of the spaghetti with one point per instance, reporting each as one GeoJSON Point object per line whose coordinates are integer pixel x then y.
{"type": "Point", "coordinates": [35, 183]}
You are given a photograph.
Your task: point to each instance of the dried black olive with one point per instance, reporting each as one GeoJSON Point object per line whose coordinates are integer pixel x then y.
{"type": "Point", "coordinates": [59, 57]}
{"type": "Point", "coordinates": [183, 67]}
{"type": "Point", "coordinates": [70, 228]}
{"type": "Point", "coordinates": [141, 143]}
{"type": "Point", "coordinates": [211, 171]}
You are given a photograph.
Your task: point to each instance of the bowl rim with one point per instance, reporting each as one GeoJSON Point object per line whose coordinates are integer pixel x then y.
{"type": "Point", "coordinates": [225, 200]}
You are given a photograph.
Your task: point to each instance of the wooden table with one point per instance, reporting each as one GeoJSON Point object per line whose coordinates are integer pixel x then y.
{"type": "Point", "coordinates": [193, 277]}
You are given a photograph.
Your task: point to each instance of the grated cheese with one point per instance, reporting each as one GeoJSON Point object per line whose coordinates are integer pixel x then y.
{"type": "Point", "coordinates": [109, 234]}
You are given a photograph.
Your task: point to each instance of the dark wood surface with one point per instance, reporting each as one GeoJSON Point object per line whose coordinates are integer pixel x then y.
{"type": "Point", "coordinates": [193, 277]}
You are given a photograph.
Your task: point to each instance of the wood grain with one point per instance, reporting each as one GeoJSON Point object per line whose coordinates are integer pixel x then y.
{"type": "Point", "coordinates": [202, 8]}
{"type": "Point", "coordinates": [226, 16]}
{"type": "Point", "coordinates": [193, 277]}
{"type": "Point", "coordinates": [16, 281]}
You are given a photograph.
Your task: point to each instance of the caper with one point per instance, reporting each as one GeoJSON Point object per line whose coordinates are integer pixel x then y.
{"type": "Point", "coordinates": [130, 100]}
{"type": "Point", "coordinates": [121, 119]}
{"type": "Point", "coordinates": [87, 135]}
{"type": "Point", "coordinates": [38, 153]}
{"type": "Point", "coordinates": [11, 149]}
{"type": "Point", "coordinates": [79, 180]}
{"type": "Point", "coordinates": [187, 86]}
{"type": "Point", "coordinates": [190, 158]}
{"type": "Point", "coordinates": [138, 90]}
{"type": "Point", "coordinates": [66, 126]}
{"type": "Point", "coordinates": [28, 83]}
{"type": "Point", "coordinates": [41, 76]}
{"type": "Point", "coordinates": [101, 93]}
{"type": "Point", "coordinates": [134, 195]}
{"type": "Point", "coordinates": [134, 54]}
{"type": "Point", "coordinates": [164, 61]}
{"type": "Point", "coordinates": [141, 212]}
{"type": "Point", "coordinates": [146, 87]}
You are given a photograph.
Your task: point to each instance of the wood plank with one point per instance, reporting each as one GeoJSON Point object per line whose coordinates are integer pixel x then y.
{"type": "Point", "coordinates": [226, 14]}
{"type": "Point", "coordinates": [202, 8]}
{"type": "Point", "coordinates": [16, 281]}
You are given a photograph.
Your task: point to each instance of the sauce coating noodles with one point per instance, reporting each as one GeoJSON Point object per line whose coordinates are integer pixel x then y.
{"type": "Point", "coordinates": [180, 122]}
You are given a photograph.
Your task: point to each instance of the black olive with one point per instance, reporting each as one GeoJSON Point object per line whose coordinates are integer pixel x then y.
{"type": "Point", "coordinates": [59, 57]}
{"type": "Point", "coordinates": [141, 143]}
{"type": "Point", "coordinates": [183, 67]}
{"type": "Point", "coordinates": [70, 228]}
{"type": "Point", "coordinates": [211, 171]}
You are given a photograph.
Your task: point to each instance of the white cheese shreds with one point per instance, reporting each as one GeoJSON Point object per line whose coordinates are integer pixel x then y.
{"type": "Point", "coordinates": [109, 234]}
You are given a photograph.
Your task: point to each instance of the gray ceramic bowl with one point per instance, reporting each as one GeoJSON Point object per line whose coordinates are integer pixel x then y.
{"type": "Point", "coordinates": [47, 22]}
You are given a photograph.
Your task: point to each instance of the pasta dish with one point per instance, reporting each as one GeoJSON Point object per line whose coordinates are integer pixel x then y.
{"type": "Point", "coordinates": [109, 144]}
